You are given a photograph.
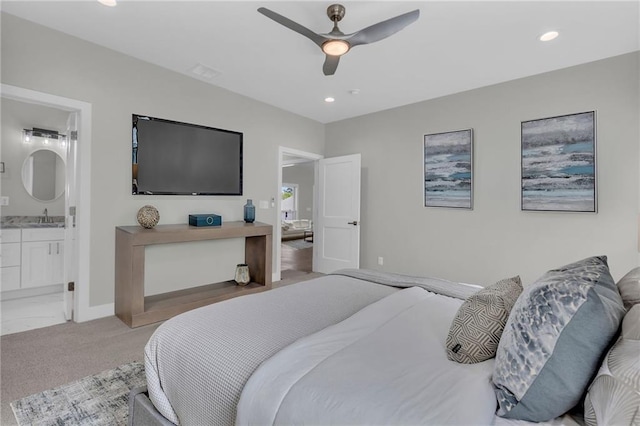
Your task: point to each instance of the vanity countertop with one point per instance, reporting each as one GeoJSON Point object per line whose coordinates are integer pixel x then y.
{"type": "Point", "coordinates": [18, 222]}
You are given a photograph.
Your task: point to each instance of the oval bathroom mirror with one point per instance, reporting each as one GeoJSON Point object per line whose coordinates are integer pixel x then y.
{"type": "Point", "coordinates": [43, 175]}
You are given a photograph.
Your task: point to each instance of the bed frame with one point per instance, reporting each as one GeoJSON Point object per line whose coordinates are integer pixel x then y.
{"type": "Point", "coordinates": [141, 410]}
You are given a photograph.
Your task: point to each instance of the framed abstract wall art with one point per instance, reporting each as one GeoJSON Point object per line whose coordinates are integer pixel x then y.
{"type": "Point", "coordinates": [448, 169]}
{"type": "Point", "coordinates": [559, 163]}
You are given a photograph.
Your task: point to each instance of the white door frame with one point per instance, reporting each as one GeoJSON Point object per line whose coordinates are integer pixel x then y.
{"type": "Point", "coordinates": [83, 311]}
{"type": "Point", "coordinates": [70, 257]}
{"type": "Point", "coordinates": [277, 236]}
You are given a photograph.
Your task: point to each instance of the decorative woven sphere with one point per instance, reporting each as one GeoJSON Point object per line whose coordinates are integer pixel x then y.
{"type": "Point", "coordinates": [148, 216]}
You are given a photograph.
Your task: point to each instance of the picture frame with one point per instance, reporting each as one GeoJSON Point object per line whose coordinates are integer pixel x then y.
{"type": "Point", "coordinates": [558, 163]}
{"type": "Point", "coordinates": [448, 169]}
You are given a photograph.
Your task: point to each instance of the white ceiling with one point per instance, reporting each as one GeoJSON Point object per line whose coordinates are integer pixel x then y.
{"type": "Point", "coordinates": [454, 45]}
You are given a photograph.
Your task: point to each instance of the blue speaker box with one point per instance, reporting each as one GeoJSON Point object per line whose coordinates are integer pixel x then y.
{"type": "Point", "coordinates": [205, 220]}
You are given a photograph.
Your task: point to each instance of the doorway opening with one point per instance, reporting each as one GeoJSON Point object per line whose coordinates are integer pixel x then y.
{"type": "Point", "coordinates": [73, 246]}
{"type": "Point", "coordinates": [296, 210]}
{"type": "Point", "coordinates": [33, 215]}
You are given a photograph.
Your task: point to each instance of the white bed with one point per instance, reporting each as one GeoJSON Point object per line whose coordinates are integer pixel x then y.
{"type": "Point", "coordinates": [353, 348]}
{"type": "Point", "coordinates": [386, 364]}
{"type": "Point", "coordinates": [383, 365]}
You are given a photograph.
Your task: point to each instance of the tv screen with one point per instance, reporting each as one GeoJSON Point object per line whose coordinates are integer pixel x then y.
{"type": "Point", "coordinates": [173, 158]}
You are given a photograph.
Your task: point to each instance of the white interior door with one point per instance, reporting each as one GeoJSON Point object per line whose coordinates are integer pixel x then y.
{"type": "Point", "coordinates": [70, 258]}
{"type": "Point", "coordinates": [337, 223]}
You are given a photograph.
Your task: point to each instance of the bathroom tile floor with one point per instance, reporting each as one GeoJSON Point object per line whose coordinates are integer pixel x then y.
{"type": "Point", "coordinates": [28, 313]}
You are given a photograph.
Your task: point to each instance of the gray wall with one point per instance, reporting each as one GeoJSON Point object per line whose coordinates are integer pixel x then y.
{"type": "Point", "coordinates": [303, 175]}
{"type": "Point", "coordinates": [496, 239]}
{"type": "Point", "coordinates": [17, 116]}
{"type": "Point", "coordinates": [117, 86]}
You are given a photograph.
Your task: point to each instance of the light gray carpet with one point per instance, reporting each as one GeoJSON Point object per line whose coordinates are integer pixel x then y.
{"type": "Point", "coordinates": [98, 400]}
{"type": "Point", "coordinates": [35, 360]}
{"type": "Point", "coordinates": [48, 357]}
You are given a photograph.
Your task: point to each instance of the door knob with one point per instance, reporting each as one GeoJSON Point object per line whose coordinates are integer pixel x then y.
{"type": "Point", "coordinates": [354, 223]}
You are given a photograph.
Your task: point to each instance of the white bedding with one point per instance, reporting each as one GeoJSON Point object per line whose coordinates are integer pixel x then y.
{"type": "Point", "coordinates": [385, 364]}
{"type": "Point", "coordinates": [197, 363]}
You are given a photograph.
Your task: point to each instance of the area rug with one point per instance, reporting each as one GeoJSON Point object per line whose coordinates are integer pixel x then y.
{"type": "Point", "coordinates": [101, 399]}
{"type": "Point", "coordinates": [298, 244]}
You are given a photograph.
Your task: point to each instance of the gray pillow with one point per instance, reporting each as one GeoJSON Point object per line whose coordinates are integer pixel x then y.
{"type": "Point", "coordinates": [614, 395]}
{"type": "Point", "coordinates": [629, 287]}
{"type": "Point", "coordinates": [554, 339]}
{"type": "Point", "coordinates": [476, 329]}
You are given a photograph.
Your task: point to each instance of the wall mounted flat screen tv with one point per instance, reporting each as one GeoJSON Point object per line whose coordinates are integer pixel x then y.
{"type": "Point", "coordinates": [173, 158]}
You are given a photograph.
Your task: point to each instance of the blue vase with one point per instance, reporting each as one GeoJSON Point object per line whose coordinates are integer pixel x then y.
{"type": "Point", "coordinates": [249, 212]}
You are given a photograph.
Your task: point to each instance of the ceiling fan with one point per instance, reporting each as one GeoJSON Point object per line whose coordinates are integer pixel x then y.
{"type": "Point", "coordinates": [336, 43]}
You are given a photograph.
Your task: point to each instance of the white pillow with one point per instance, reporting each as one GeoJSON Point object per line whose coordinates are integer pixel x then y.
{"type": "Point", "coordinates": [629, 288]}
{"type": "Point", "coordinates": [614, 395]}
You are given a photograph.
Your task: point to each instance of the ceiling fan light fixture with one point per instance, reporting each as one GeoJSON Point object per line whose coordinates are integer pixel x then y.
{"type": "Point", "coordinates": [335, 47]}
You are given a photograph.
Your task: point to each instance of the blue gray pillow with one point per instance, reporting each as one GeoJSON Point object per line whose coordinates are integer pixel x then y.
{"type": "Point", "coordinates": [554, 339]}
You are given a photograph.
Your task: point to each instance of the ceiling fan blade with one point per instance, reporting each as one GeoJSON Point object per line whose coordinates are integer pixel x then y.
{"type": "Point", "coordinates": [316, 38]}
{"type": "Point", "coordinates": [383, 29]}
{"type": "Point", "coordinates": [330, 64]}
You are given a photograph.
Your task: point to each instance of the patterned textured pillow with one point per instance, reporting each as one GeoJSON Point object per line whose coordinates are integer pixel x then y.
{"type": "Point", "coordinates": [476, 329]}
{"type": "Point", "coordinates": [552, 344]}
{"type": "Point", "coordinates": [614, 395]}
{"type": "Point", "coordinates": [629, 287]}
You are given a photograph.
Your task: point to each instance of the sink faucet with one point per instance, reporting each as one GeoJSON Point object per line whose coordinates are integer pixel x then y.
{"type": "Point", "coordinates": [46, 216]}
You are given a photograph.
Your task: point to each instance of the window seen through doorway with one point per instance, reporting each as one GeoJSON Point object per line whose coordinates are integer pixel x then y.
{"type": "Point", "coordinates": [289, 202]}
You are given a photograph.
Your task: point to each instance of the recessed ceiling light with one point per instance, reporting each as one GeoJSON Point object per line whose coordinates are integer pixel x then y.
{"type": "Point", "coordinates": [109, 3]}
{"type": "Point", "coordinates": [548, 36]}
{"type": "Point", "coordinates": [329, 99]}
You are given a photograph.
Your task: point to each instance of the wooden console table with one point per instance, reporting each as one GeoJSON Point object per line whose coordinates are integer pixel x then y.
{"type": "Point", "coordinates": [134, 309]}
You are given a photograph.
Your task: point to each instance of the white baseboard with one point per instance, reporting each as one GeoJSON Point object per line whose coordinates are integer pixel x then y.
{"type": "Point", "coordinates": [96, 312]}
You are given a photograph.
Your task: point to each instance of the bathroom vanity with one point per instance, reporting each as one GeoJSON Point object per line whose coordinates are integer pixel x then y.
{"type": "Point", "coordinates": [32, 256]}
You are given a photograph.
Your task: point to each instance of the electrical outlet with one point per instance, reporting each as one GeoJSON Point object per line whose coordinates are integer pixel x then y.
{"type": "Point", "coordinates": [4, 201]}
{"type": "Point", "coordinates": [380, 260]}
